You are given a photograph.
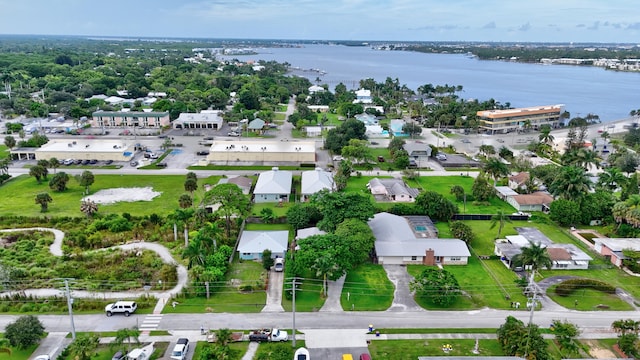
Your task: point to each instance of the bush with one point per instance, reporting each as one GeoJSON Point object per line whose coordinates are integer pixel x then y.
{"type": "Point", "coordinates": [567, 287]}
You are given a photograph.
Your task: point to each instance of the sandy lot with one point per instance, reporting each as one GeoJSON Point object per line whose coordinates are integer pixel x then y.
{"type": "Point", "coordinates": [112, 196]}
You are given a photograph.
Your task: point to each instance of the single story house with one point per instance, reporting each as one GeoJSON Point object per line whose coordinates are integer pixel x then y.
{"type": "Point", "coordinates": [316, 131]}
{"type": "Point", "coordinates": [398, 243]}
{"type": "Point", "coordinates": [367, 119]}
{"type": "Point", "coordinates": [273, 186]}
{"type": "Point", "coordinates": [363, 96]}
{"type": "Point", "coordinates": [537, 201]}
{"type": "Point", "coordinates": [611, 248]}
{"type": "Point", "coordinates": [206, 119]}
{"type": "Point", "coordinates": [395, 190]}
{"type": "Point", "coordinates": [256, 125]}
{"type": "Point", "coordinates": [319, 108]}
{"type": "Point", "coordinates": [418, 151]}
{"type": "Point", "coordinates": [310, 231]}
{"type": "Point", "coordinates": [504, 192]}
{"type": "Point", "coordinates": [315, 180]}
{"type": "Point", "coordinates": [316, 89]}
{"type": "Point", "coordinates": [518, 180]}
{"type": "Point", "coordinates": [243, 182]}
{"type": "Point", "coordinates": [253, 243]}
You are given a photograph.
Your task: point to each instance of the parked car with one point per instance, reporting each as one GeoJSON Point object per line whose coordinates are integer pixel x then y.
{"type": "Point", "coordinates": [93, 161]}
{"type": "Point", "coordinates": [365, 357]}
{"type": "Point", "coordinates": [278, 265]}
{"type": "Point", "coordinates": [466, 141]}
{"type": "Point", "coordinates": [86, 162]}
{"type": "Point", "coordinates": [162, 164]}
{"type": "Point", "coordinates": [181, 349]}
{"type": "Point", "coordinates": [68, 162]}
{"type": "Point", "coordinates": [301, 354]}
{"type": "Point", "coordinates": [42, 357]}
{"type": "Point", "coordinates": [204, 152]}
{"type": "Point", "coordinates": [133, 163]}
{"type": "Point", "coordinates": [271, 335]}
{"type": "Point", "coordinates": [233, 133]}
{"type": "Point", "coordinates": [413, 164]}
{"type": "Point", "coordinates": [118, 356]}
{"type": "Point", "coordinates": [109, 162]}
{"type": "Point", "coordinates": [338, 158]}
{"type": "Point", "coordinates": [121, 307]}
{"type": "Point", "coordinates": [77, 161]}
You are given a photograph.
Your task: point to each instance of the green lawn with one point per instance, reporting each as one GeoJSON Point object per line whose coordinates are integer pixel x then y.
{"type": "Point", "coordinates": [613, 276]}
{"type": "Point", "coordinates": [367, 288]}
{"type": "Point", "coordinates": [308, 296]}
{"type": "Point", "coordinates": [589, 299]}
{"type": "Point", "coordinates": [4, 152]}
{"type": "Point", "coordinates": [412, 349]}
{"type": "Point", "coordinates": [241, 347]}
{"type": "Point", "coordinates": [226, 296]}
{"type": "Point", "coordinates": [18, 354]}
{"type": "Point", "coordinates": [23, 189]}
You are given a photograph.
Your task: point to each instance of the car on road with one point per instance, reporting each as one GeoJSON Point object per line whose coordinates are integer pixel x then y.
{"type": "Point", "coordinates": [233, 133]}
{"type": "Point", "coordinates": [121, 307]}
{"type": "Point", "coordinates": [42, 357]}
{"type": "Point", "coordinates": [203, 152]}
{"type": "Point", "coordinates": [466, 141]}
{"type": "Point", "coordinates": [338, 158]}
{"type": "Point", "coordinates": [441, 157]}
{"type": "Point", "coordinates": [500, 140]}
{"type": "Point", "coordinates": [133, 163]}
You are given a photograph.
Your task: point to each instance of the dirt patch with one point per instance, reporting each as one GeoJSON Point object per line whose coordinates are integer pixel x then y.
{"type": "Point", "coordinates": [599, 353]}
{"type": "Point", "coordinates": [112, 196]}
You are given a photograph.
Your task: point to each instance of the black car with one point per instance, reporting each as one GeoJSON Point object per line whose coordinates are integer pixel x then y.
{"type": "Point", "coordinates": [108, 162]}
{"type": "Point", "coordinates": [161, 165]}
{"type": "Point", "coordinates": [86, 162]}
{"type": "Point", "coordinates": [202, 153]}
{"type": "Point", "coordinates": [93, 161]}
{"type": "Point", "coordinates": [77, 161]}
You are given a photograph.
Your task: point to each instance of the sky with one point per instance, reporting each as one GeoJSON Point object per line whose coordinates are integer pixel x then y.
{"type": "Point", "coordinates": [367, 20]}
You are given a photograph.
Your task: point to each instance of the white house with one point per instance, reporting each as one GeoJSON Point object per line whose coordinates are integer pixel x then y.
{"type": "Point", "coordinates": [394, 190]}
{"type": "Point", "coordinates": [315, 180]}
{"type": "Point", "coordinates": [253, 243]}
{"type": "Point", "coordinates": [273, 186]}
{"type": "Point", "coordinates": [398, 243]}
{"type": "Point", "coordinates": [316, 89]}
{"type": "Point", "coordinates": [363, 96]}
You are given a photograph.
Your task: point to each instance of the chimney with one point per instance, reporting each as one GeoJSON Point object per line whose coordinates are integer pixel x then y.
{"type": "Point", "coordinates": [429, 258]}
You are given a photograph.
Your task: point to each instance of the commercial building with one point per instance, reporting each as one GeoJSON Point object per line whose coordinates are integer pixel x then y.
{"type": "Point", "coordinates": [80, 149]}
{"type": "Point", "coordinates": [206, 119]}
{"type": "Point", "coordinates": [262, 151]}
{"type": "Point", "coordinates": [504, 121]}
{"type": "Point", "coordinates": [141, 119]}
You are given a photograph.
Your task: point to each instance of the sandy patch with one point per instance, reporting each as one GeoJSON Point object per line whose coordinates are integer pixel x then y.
{"type": "Point", "coordinates": [112, 196]}
{"type": "Point", "coordinates": [598, 352]}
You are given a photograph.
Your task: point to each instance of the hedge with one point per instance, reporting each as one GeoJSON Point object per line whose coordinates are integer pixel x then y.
{"type": "Point", "coordinates": [567, 287]}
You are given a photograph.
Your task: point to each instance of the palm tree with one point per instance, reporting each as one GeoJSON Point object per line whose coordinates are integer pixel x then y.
{"type": "Point", "coordinates": [195, 252]}
{"type": "Point", "coordinates": [571, 183]}
{"type": "Point", "coordinates": [500, 218]}
{"type": "Point", "coordinates": [534, 256]}
{"type": "Point", "coordinates": [127, 335]}
{"type": "Point", "coordinates": [495, 169]}
{"type": "Point", "coordinates": [487, 149]}
{"type": "Point", "coordinates": [84, 347]}
{"type": "Point", "coordinates": [54, 164]}
{"type": "Point", "coordinates": [39, 172]}
{"type": "Point", "coordinates": [605, 136]}
{"type": "Point", "coordinates": [185, 201]}
{"type": "Point", "coordinates": [545, 135]}
{"type": "Point", "coordinates": [611, 179]}
{"type": "Point", "coordinates": [88, 207]}
{"type": "Point", "coordinates": [43, 199]}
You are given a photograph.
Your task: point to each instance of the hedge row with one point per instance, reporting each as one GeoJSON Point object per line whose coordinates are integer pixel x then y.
{"type": "Point", "coordinates": [567, 287]}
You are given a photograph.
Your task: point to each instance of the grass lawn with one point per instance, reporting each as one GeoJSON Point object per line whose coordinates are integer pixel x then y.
{"type": "Point", "coordinates": [588, 300]}
{"type": "Point", "coordinates": [18, 354]}
{"type": "Point", "coordinates": [226, 297]}
{"type": "Point", "coordinates": [279, 210]}
{"type": "Point", "coordinates": [261, 226]}
{"type": "Point", "coordinates": [367, 288]}
{"type": "Point", "coordinates": [4, 152]}
{"type": "Point", "coordinates": [438, 331]}
{"type": "Point", "coordinates": [412, 349]}
{"type": "Point", "coordinates": [280, 117]}
{"type": "Point", "coordinates": [308, 296]}
{"type": "Point", "coordinates": [443, 184]}
{"type": "Point", "coordinates": [23, 189]}
{"type": "Point", "coordinates": [613, 276]}
{"type": "Point", "coordinates": [240, 346]}
{"type": "Point", "coordinates": [332, 119]}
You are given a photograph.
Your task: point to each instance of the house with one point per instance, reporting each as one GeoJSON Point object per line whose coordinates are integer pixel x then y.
{"type": "Point", "coordinates": [316, 89]}
{"type": "Point", "coordinates": [395, 127]}
{"type": "Point", "coordinates": [367, 119]}
{"type": "Point", "coordinates": [518, 180]}
{"type": "Point", "coordinates": [315, 180]}
{"type": "Point", "coordinates": [504, 192]}
{"type": "Point", "coordinates": [612, 248]}
{"type": "Point", "coordinates": [256, 125]}
{"type": "Point", "coordinates": [243, 182]}
{"type": "Point", "coordinates": [537, 201]}
{"type": "Point", "coordinates": [306, 232]}
{"type": "Point", "coordinates": [563, 256]}
{"type": "Point", "coordinates": [253, 243]}
{"type": "Point", "coordinates": [316, 131]}
{"type": "Point", "coordinates": [394, 190]}
{"type": "Point", "coordinates": [273, 186]}
{"type": "Point", "coordinates": [206, 119]}
{"type": "Point", "coordinates": [397, 242]}
{"type": "Point", "coordinates": [418, 151]}
{"type": "Point", "coordinates": [319, 108]}
{"type": "Point", "coordinates": [363, 96]}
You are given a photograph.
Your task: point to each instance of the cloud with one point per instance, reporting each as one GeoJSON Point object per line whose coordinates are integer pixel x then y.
{"type": "Point", "coordinates": [594, 26]}
{"type": "Point", "coordinates": [581, 25]}
{"type": "Point", "coordinates": [490, 25]}
{"type": "Point", "coordinates": [524, 27]}
{"type": "Point", "coordinates": [633, 26]}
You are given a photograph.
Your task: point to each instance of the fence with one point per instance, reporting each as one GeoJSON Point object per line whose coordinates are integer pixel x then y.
{"type": "Point", "coordinates": [486, 217]}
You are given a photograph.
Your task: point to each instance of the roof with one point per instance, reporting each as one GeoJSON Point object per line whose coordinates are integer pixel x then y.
{"type": "Point", "coordinates": [85, 146]}
{"type": "Point", "coordinates": [536, 198]}
{"type": "Point", "coordinates": [130, 113]}
{"type": "Point", "coordinates": [417, 148]}
{"type": "Point", "coordinates": [241, 181]}
{"type": "Point", "coordinates": [390, 228]}
{"type": "Point", "coordinates": [211, 117]}
{"type": "Point", "coordinates": [418, 247]}
{"type": "Point", "coordinates": [306, 232]}
{"type": "Point", "coordinates": [257, 241]}
{"type": "Point", "coordinates": [363, 93]}
{"type": "Point", "coordinates": [506, 191]}
{"type": "Point", "coordinates": [558, 254]}
{"type": "Point", "coordinates": [520, 178]}
{"type": "Point", "coordinates": [619, 244]}
{"type": "Point", "coordinates": [236, 146]}
{"type": "Point", "coordinates": [392, 187]}
{"type": "Point", "coordinates": [256, 124]}
{"type": "Point", "coordinates": [316, 180]}
{"type": "Point", "coordinates": [316, 88]}
{"type": "Point", "coordinates": [274, 182]}
{"type": "Point", "coordinates": [518, 112]}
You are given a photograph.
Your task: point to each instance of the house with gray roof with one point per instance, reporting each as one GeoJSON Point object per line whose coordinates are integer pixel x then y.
{"type": "Point", "coordinates": [315, 180]}
{"type": "Point", "coordinates": [257, 125]}
{"type": "Point", "coordinates": [243, 182]}
{"type": "Point", "coordinates": [273, 186]}
{"type": "Point", "coordinates": [418, 151]}
{"type": "Point", "coordinates": [398, 243]}
{"type": "Point", "coordinates": [253, 243]}
{"type": "Point", "coordinates": [395, 190]}
{"type": "Point", "coordinates": [612, 248]}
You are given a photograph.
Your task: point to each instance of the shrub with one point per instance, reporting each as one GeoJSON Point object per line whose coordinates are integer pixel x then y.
{"type": "Point", "coordinates": [567, 287]}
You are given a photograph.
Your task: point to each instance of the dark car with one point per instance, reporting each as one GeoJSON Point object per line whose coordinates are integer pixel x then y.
{"type": "Point", "coordinates": [162, 165]}
{"type": "Point", "coordinates": [86, 162]}
{"type": "Point", "coordinates": [380, 158]}
{"type": "Point", "coordinates": [259, 337]}
{"type": "Point", "coordinates": [202, 153]}
{"type": "Point", "coordinates": [93, 161]}
{"type": "Point", "coordinates": [118, 356]}
{"type": "Point", "coordinates": [77, 161]}
{"type": "Point", "coordinates": [109, 162]}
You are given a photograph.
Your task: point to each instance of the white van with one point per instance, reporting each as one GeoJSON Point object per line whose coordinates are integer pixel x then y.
{"type": "Point", "coordinates": [278, 265]}
{"type": "Point", "coordinates": [181, 349]}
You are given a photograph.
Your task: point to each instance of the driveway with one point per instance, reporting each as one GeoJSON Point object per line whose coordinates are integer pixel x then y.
{"type": "Point", "coordinates": [274, 292]}
{"type": "Point", "coordinates": [402, 297]}
{"type": "Point", "coordinates": [334, 290]}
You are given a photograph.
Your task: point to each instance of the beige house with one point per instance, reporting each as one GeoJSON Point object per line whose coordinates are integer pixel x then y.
{"type": "Point", "coordinates": [141, 119]}
{"type": "Point", "coordinates": [86, 149]}
{"type": "Point", "coordinates": [262, 151]}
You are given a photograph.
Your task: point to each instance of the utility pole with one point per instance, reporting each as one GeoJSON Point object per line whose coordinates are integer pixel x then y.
{"type": "Point", "coordinates": [293, 308]}
{"type": "Point", "coordinates": [532, 302]}
{"type": "Point", "coordinates": [70, 306]}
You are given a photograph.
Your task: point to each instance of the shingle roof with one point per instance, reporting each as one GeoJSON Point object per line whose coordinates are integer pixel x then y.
{"type": "Point", "coordinates": [537, 198]}
{"type": "Point", "coordinates": [256, 124]}
{"type": "Point", "coordinates": [257, 241]}
{"type": "Point", "coordinates": [316, 180]}
{"type": "Point", "coordinates": [274, 182]}
{"type": "Point", "coordinates": [520, 178]}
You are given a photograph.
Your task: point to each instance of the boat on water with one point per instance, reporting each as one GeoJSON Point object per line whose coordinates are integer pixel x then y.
{"type": "Point", "coordinates": [301, 354]}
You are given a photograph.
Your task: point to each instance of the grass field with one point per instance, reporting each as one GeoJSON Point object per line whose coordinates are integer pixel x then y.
{"type": "Point", "coordinates": [18, 354]}
{"type": "Point", "coordinates": [23, 189]}
{"type": "Point", "coordinates": [367, 288]}
{"type": "Point", "coordinates": [240, 347]}
{"type": "Point", "coordinates": [588, 300]}
{"type": "Point", "coordinates": [412, 349]}
{"type": "Point", "coordinates": [308, 296]}
{"type": "Point", "coordinates": [4, 152]}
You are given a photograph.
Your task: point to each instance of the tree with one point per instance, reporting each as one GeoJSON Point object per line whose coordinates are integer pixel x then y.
{"type": "Point", "coordinates": [86, 179]}
{"type": "Point", "coordinates": [267, 260]}
{"type": "Point", "coordinates": [461, 231]}
{"type": "Point", "coordinates": [59, 182]}
{"type": "Point", "coordinates": [335, 207]}
{"type": "Point", "coordinates": [195, 253]}
{"type": "Point", "coordinates": [566, 334]}
{"type": "Point", "coordinates": [357, 236]}
{"type": "Point", "coordinates": [564, 212]}
{"type": "Point", "coordinates": [24, 332]}
{"type": "Point", "coordinates": [126, 335]}
{"type": "Point", "coordinates": [412, 129]}
{"type": "Point", "coordinates": [326, 255]}
{"type": "Point", "coordinates": [185, 201]}
{"type": "Point", "coordinates": [458, 192]}
{"type": "Point", "coordinates": [627, 162]}
{"type": "Point", "coordinates": [611, 179]}
{"type": "Point", "coordinates": [571, 183]}
{"type": "Point", "coordinates": [495, 169]}
{"type": "Point", "coordinates": [627, 336]}
{"type": "Point", "coordinates": [88, 207]}
{"type": "Point", "coordinates": [54, 163]}
{"type": "Point", "coordinates": [43, 199]}
{"type": "Point", "coordinates": [545, 135]}
{"type": "Point", "coordinates": [358, 150]}
{"type": "Point", "coordinates": [190, 185]}
{"type": "Point", "coordinates": [481, 189]}
{"type": "Point", "coordinates": [505, 153]}
{"type": "Point", "coordinates": [267, 215]}
{"type": "Point", "coordinates": [435, 206]}
{"type": "Point", "coordinates": [401, 159]}
{"type": "Point", "coordinates": [232, 202]}
{"type": "Point", "coordinates": [516, 339]}
{"type": "Point", "coordinates": [301, 215]}
{"type": "Point", "coordinates": [10, 141]}
{"type": "Point", "coordinates": [395, 144]}
{"type": "Point", "coordinates": [487, 149]}
{"type": "Point", "coordinates": [534, 256]}
{"type": "Point", "coordinates": [438, 286]}
{"type": "Point", "coordinates": [339, 137]}
{"type": "Point", "coordinates": [500, 218]}
{"type": "Point", "coordinates": [84, 346]}
{"type": "Point", "coordinates": [39, 172]}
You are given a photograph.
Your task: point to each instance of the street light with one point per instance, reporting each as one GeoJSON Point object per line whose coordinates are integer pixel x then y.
{"type": "Point", "coordinates": [264, 148]}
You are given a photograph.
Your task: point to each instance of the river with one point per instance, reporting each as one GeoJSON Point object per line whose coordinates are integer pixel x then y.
{"type": "Point", "coordinates": [582, 89]}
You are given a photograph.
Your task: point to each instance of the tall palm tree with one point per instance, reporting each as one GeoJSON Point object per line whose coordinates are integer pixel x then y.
{"type": "Point", "coordinates": [500, 218]}
{"type": "Point", "coordinates": [534, 256]}
{"type": "Point", "coordinates": [545, 135]}
{"type": "Point", "coordinates": [495, 169]}
{"type": "Point", "coordinates": [126, 334]}
{"type": "Point", "coordinates": [571, 183]}
{"type": "Point", "coordinates": [195, 253]}
{"type": "Point", "coordinates": [611, 179]}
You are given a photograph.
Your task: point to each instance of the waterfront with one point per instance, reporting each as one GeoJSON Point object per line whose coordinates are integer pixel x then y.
{"type": "Point", "coordinates": [583, 89]}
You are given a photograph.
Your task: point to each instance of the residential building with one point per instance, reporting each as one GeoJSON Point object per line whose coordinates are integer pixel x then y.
{"type": "Point", "coordinates": [504, 121]}
{"type": "Point", "coordinates": [314, 181]}
{"type": "Point", "coordinates": [306, 232]}
{"type": "Point", "coordinates": [141, 119]}
{"type": "Point", "coordinates": [418, 151]}
{"type": "Point", "coordinates": [256, 125]}
{"type": "Point", "coordinates": [518, 180]}
{"type": "Point", "coordinates": [537, 201]}
{"type": "Point", "coordinates": [243, 182]}
{"type": "Point", "coordinates": [316, 89]}
{"type": "Point", "coordinates": [398, 243]}
{"type": "Point", "coordinates": [363, 96]}
{"type": "Point", "coordinates": [253, 243]}
{"type": "Point", "coordinates": [395, 190]}
{"type": "Point", "coordinates": [273, 186]}
{"type": "Point", "coordinates": [206, 119]}
{"type": "Point", "coordinates": [612, 248]}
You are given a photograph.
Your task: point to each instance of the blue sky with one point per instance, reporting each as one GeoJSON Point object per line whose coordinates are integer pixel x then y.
{"type": "Point", "coordinates": [421, 20]}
